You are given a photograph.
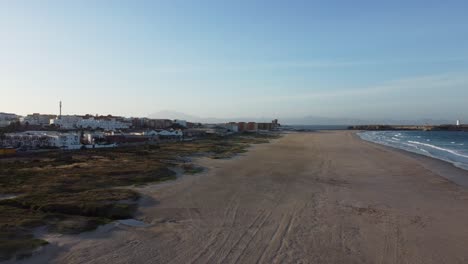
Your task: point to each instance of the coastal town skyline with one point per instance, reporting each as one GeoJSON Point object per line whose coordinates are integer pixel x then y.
{"type": "Point", "coordinates": [294, 121]}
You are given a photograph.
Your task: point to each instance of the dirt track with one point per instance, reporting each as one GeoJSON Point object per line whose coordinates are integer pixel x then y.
{"type": "Point", "coordinates": [306, 198]}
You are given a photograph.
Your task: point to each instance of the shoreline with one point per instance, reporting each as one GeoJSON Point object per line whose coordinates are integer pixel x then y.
{"type": "Point", "coordinates": [443, 168]}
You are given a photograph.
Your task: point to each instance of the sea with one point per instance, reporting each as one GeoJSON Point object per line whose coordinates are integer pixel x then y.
{"type": "Point", "coordinates": [449, 146]}
{"type": "Point", "coordinates": [314, 127]}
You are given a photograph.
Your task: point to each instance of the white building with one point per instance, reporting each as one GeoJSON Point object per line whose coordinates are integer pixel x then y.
{"type": "Point", "coordinates": [7, 118]}
{"type": "Point", "coordinates": [78, 122]}
{"type": "Point", "coordinates": [231, 127]}
{"type": "Point", "coordinates": [66, 121]}
{"type": "Point", "coordinates": [458, 122]}
{"type": "Point", "coordinates": [37, 119]}
{"type": "Point", "coordinates": [93, 137]}
{"type": "Point", "coordinates": [109, 124]}
{"type": "Point", "coordinates": [42, 139]}
{"type": "Point", "coordinates": [65, 140]}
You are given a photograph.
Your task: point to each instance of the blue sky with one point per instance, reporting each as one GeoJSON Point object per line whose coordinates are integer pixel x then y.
{"type": "Point", "coordinates": [357, 59]}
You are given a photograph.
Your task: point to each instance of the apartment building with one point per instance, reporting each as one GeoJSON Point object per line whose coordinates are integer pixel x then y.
{"type": "Point", "coordinates": [41, 139]}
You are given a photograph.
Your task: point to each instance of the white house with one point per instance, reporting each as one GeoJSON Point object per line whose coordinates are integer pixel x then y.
{"type": "Point", "coordinates": [151, 133]}
{"type": "Point", "coordinates": [65, 140]}
{"type": "Point", "coordinates": [42, 139]}
{"type": "Point", "coordinates": [171, 133]}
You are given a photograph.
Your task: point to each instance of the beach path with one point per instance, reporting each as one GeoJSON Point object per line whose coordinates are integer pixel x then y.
{"type": "Point", "coordinates": [322, 197]}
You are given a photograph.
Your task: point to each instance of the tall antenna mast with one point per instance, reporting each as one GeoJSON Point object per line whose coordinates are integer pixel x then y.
{"type": "Point", "coordinates": [60, 105]}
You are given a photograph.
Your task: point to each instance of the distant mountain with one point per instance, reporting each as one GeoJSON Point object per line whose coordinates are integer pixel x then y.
{"type": "Point", "coordinates": [313, 120]}
{"type": "Point", "coordinates": [307, 120]}
{"type": "Point", "coordinates": [167, 114]}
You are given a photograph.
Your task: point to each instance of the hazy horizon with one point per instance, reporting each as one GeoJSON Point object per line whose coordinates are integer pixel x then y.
{"type": "Point", "coordinates": [211, 59]}
{"type": "Point", "coordinates": [295, 121]}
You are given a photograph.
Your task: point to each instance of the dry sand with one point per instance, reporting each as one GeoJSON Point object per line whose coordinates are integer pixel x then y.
{"type": "Point", "coordinates": [325, 197]}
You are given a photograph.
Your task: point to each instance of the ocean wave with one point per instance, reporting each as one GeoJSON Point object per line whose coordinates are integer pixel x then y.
{"type": "Point", "coordinates": [423, 150]}
{"type": "Point", "coordinates": [439, 148]}
{"type": "Point", "coordinates": [411, 145]}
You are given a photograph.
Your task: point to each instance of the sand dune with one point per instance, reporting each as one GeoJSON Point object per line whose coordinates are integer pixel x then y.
{"type": "Point", "coordinates": [325, 197]}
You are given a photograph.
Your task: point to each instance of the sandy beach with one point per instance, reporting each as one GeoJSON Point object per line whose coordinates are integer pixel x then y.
{"type": "Point", "coordinates": [323, 197]}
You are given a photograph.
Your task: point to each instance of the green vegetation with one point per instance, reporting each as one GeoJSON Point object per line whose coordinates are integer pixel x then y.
{"type": "Point", "coordinates": [75, 191]}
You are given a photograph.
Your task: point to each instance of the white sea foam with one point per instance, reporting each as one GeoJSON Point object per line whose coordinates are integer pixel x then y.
{"type": "Point", "coordinates": [442, 149]}
{"type": "Point", "coordinates": [439, 148]}
{"type": "Point", "coordinates": [411, 145]}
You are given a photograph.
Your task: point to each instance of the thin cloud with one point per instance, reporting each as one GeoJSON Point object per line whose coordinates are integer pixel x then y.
{"type": "Point", "coordinates": [423, 83]}
{"type": "Point", "coordinates": [316, 64]}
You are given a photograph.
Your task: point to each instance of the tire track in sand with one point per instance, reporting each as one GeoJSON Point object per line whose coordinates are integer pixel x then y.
{"type": "Point", "coordinates": [208, 248]}
{"type": "Point", "coordinates": [262, 217]}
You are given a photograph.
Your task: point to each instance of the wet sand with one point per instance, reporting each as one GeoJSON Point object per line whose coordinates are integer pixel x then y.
{"type": "Point", "coordinates": [325, 197]}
